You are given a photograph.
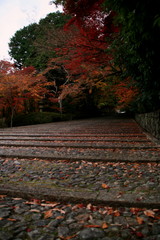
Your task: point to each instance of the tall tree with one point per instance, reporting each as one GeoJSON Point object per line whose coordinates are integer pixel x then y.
{"type": "Point", "coordinates": [136, 49]}
{"type": "Point", "coordinates": [18, 88]}
{"type": "Point", "coordinates": [23, 45]}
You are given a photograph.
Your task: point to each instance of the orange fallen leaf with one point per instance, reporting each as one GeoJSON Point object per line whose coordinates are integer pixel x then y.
{"type": "Point", "coordinates": [17, 199]}
{"type": "Point", "coordinates": [11, 219]}
{"type": "Point", "coordinates": [48, 214]}
{"type": "Point", "coordinates": [149, 213]}
{"type": "Point", "coordinates": [33, 202]}
{"type": "Point", "coordinates": [92, 226]}
{"type": "Point", "coordinates": [59, 217]}
{"type": "Point", "coordinates": [140, 220]}
{"type": "Point", "coordinates": [134, 210]}
{"type": "Point", "coordinates": [49, 204]}
{"type": "Point", "coordinates": [104, 225]}
{"type": "Point", "coordinates": [59, 210]}
{"type": "Point", "coordinates": [36, 201]}
{"type": "Point", "coordinates": [116, 213]}
{"type": "Point", "coordinates": [3, 196]}
{"type": "Point", "coordinates": [105, 186]}
{"type": "Point", "coordinates": [69, 237]}
{"type": "Point", "coordinates": [34, 210]}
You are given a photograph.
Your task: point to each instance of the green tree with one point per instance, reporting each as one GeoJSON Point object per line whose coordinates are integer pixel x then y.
{"type": "Point", "coordinates": [138, 48]}
{"type": "Point", "coordinates": [25, 45]}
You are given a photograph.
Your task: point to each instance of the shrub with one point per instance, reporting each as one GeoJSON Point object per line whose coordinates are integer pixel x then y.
{"type": "Point", "coordinates": [38, 118]}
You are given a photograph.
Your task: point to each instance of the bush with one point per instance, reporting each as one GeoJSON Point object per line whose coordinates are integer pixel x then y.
{"type": "Point", "coordinates": [38, 118]}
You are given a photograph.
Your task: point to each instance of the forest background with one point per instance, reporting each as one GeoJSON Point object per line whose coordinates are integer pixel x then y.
{"type": "Point", "coordinates": [93, 59]}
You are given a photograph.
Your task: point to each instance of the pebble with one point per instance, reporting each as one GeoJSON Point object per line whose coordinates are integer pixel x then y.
{"type": "Point", "coordinates": [121, 178]}
{"type": "Point", "coordinates": [38, 220]}
{"type": "Point", "coordinates": [34, 219]}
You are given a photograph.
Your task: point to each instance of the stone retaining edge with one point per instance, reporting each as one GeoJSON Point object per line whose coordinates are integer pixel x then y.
{"type": "Point", "coordinates": [71, 197]}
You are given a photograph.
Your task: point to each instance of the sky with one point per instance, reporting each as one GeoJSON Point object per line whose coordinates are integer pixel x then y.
{"type": "Point", "coordinates": [15, 14]}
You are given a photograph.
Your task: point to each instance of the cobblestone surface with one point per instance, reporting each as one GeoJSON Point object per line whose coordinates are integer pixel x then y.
{"type": "Point", "coordinates": [106, 181]}
{"type": "Point", "coordinates": [37, 220]}
{"type": "Point", "coordinates": [85, 198]}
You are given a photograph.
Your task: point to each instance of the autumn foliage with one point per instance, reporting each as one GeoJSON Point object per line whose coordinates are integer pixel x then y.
{"type": "Point", "coordinates": [81, 74]}
{"type": "Point", "coordinates": [88, 57]}
{"type": "Point", "coordinates": [19, 89]}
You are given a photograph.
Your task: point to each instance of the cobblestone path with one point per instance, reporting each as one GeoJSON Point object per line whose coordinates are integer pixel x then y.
{"type": "Point", "coordinates": [86, 179]}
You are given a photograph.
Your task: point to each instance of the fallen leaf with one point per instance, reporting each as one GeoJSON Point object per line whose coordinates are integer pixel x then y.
{"type": "Point", "coordinates": [59, 210]}
{"type": "Point", "coordinates": [34, 210]}
{"type": "Point", "coordinates": [116, 213]}
{"type": "Point", "coordinates": [140, 220]}
{"type": "Point", "coordinates": [59, 217]}
{"type": "Point", "coordinates": [49, 204]}
{"type": "Point", "coordinates": [33, 202]}
{"type": "Point", "coordinates": [89, 206]}
{"type": "Point", "coordinates": [36, 201]}
{"type": "Point", "coordinates": [105, 186]}
{"type": "Point", "coordinates": [11, 219]}
{"type": "Point", "coordinates": [149, 213]}
{"type": "Point", "coordinates": [104, 225]}
{"type": "Point", "coordinates": [92, 226]}
{"type": "Point", "coordinates": [134, 210]}
{"type": "Point", "coordinates": [3, 196]}
{"type": "Point", "coordinates": [17, 199]}
{"type": "Point", "coordinates": [48, 214]}
{"type": "Point", "coordinates": [69, 237]}
{"type": "Point", "coordinates": [81, 205]}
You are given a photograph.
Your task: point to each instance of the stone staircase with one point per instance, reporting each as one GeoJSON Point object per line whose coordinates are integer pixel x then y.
{"type": "Point", "coordinates": [100, 142]}
{"type": "Point", "coordinates": [95, 179]}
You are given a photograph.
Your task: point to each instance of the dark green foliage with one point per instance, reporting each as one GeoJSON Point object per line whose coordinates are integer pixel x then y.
{"type": "Point", "coordinates": [28, 47]}
{"type": "Point", "coordinates": [38, 118]}
{"type": "Point", "coordinates": [21, 45]}
{"type": "Point", "coordinates": [138, 47]}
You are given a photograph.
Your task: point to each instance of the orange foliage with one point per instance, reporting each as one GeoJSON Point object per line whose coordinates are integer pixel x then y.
{"type": "Point", "coordinates": [126, 93]}
{"type": "Point", "coordinates": [18, 86]}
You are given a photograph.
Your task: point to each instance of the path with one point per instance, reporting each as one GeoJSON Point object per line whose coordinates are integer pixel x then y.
{"type": "Point", "coordinates": [98, 176]}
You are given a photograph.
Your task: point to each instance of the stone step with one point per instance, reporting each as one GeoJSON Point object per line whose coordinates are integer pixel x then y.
{"type": "Point", "coordinates": [43, 134]}
{"type": "Point", "coordinates": [81, 144]}
{"type": "Point", "coordinates": [114, 184]}
{"type": "Point", "coordinates": [89, 154]}
{"type": "Point", "coordinates": [95, 142]}
{"type": "Point", "coordinates": [76, 139]}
